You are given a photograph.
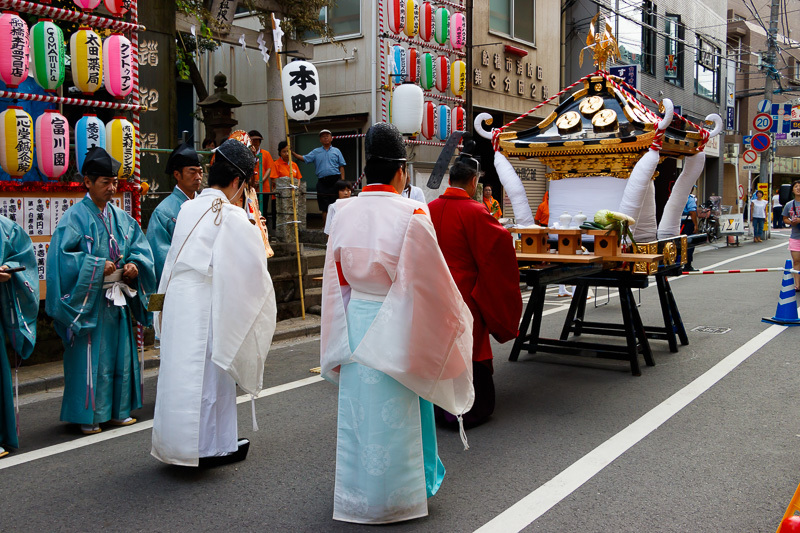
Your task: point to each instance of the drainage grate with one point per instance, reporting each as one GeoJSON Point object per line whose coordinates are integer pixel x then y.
{"type": "Point", "coordinates": [712, 330]}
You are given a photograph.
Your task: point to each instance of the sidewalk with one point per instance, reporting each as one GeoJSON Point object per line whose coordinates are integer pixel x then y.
{"type": "Point", "coordinates": [48, 376]}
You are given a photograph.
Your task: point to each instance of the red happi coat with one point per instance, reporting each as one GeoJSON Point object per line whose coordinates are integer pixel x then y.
{"type": "Point", "coordinates": [481, 257]}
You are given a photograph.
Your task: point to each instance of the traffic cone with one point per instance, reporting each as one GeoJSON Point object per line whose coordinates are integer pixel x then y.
{"type": "Point", "coordinates": [786, 314]}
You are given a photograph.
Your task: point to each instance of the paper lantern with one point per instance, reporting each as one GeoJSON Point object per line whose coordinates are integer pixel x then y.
{"type": "Point", "coordinates": [441, 25]}
{"type": "Point", "coordinates": [89, 131]}
{"type": "Point", "coordinates": [14, 46]}
{"type": "Point", "coordinates": [426, 21]}
{"type": "Point", "coordinates": [117, 7]}
{"type": "Point", "coordinates": [86, 54]}
{"type": "Point", "coordinates": [458, 119]}
{"type": "Point", "coordinates": [458, 31]}
{"type": "Point", "coordinates": [397, 15]}
{"type": "Point", "coordinates": [442, 122]}
{"type": "Point", "coordinates": [412, 18]}
{"type": "Point", "coordinates": [16, 141]}
{"type": "Point", "coordinates": [458, 77]}
{"type": "Point", "coordinates": [412, 65]}
{"type": "Point", "coordinates": [428, 119]}
{"type": "Point", "coordinates": [407, 105]}
{"type": "Point", "coordinates": [87, 5]}
{"type": "Point", "coordinates": [427, 71]}
{"type": "Point", "coordinates": [300, 81]}
{"type": "Point", "coordinates": [52, 144]}
{"type": "Point", "coordinates": [442, 73]}
{"type": "Point", "coordinates": [121, 145]}
{"type": "Point", "coordinates": [47, 55]}
{"type": "Point", "coordinates": [397, 63]}
{"type": "Point", "coordinates": [117, 64]}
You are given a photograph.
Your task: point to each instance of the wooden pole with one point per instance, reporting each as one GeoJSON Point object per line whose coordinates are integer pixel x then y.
{"type": "Point", "coordinates": [295, 222]}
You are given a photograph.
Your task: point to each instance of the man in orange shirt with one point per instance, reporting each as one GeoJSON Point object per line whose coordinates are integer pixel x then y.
{"type": "Point", "coordinates": [492, 205]}
{"type": "Point", "coordinates": [264, 162]}
{"type": "Point", "coordinates": [281, 167]}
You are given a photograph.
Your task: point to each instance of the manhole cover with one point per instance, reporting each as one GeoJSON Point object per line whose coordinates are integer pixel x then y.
{"type": "Point", "coordinates": [711, 329]}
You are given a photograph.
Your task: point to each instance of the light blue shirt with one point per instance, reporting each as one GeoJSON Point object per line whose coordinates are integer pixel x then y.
{"type": "Point", "coordinates": [326, 162]}
{"type": "Point", "coordinates": [691, 205]}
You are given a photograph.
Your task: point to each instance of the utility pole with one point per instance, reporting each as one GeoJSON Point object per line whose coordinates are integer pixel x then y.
{"type": "Point", "coordinates": [772, 52]}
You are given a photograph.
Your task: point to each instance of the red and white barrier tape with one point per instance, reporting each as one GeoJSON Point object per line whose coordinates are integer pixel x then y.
{"type": "Point", "coordinates": [71, 16]}
{"type": "Point", "coordinates": [740, 271]}
{"type": "Point", "coordinates": [68, 101]}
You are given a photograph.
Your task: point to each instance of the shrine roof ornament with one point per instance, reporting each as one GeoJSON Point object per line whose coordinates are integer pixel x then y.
{"type": "Point", "coordinates": [602, 44]}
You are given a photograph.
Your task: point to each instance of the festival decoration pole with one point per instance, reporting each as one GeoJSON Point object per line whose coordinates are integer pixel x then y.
{"type": "Point", "coordinates": [295, 222]}
{"type": "Point", "coordinates": [137, 174]}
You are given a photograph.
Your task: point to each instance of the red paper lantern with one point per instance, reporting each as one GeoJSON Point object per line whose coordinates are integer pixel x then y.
{"type": "Point", "coordinates": [52, 144]}
{"type": "Point", "coordinates": [15, 50]}
{"type": "Point", "coordinates": [117, 65]}
{"type": "Point", "coordinates": [117, 7]}
{"type": "Point", "coordinates": [428, 119]}
{"type": "Point", "coordinates": [458, 119]}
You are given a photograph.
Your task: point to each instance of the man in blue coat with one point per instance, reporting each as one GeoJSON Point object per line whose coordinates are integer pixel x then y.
{"type": "Point", "coordinates": [184, 165]}
{"type": "Point", "coordinates": [19, 305]}
{"type": "Point", "coordinates": [99, 277]}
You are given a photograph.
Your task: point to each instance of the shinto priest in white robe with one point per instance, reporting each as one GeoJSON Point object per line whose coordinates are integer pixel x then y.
{"type": "Point", "coordinates": [216, 328]}
{"type": "Point", "coordinates": [396, 337]}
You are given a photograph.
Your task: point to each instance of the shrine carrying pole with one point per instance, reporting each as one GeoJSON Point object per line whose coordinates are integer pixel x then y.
{"type": "Point", "coordinates": [294, 222]}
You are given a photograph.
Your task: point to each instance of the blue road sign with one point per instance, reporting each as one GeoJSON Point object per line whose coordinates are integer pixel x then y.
{"type": "Point", "coordinates": [746, 140]}
{"type": "Point", "coordinates": [787, 118]}
{"type": "Point", "coordinates": [763, 105]}
{"type": "Point", "coordinates": [761, 142]}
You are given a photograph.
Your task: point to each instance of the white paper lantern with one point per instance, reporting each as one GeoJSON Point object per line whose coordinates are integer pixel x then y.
{"type": "Point", "coordinates": [300, 81]}
{"type": "Point", "coordinates": [407, 105]}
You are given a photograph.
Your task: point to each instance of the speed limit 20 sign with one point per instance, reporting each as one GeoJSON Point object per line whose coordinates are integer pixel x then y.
{"type": "Point", "coordinates": [762, 122]}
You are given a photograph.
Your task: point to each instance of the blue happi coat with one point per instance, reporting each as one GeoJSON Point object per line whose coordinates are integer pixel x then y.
{"type": "Point", "coordinates": [19, 306]}
{"type": "Point", "coordinates": [162, 225]}
{"type": "Point", "coordinates": [95, 331]}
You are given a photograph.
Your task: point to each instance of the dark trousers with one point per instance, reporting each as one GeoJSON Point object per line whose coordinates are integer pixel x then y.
{"type": "Point", "coordinates": [687, 228]}
{"type": "Point", "coordinates": [777, 218]}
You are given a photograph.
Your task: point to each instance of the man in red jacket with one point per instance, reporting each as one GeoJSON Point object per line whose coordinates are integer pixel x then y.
{"type": "Point", "coordinates": [481, 257]}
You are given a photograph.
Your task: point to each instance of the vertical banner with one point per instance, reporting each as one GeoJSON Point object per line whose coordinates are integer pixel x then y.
{"type": "Point", "coordinates": [730, 96]}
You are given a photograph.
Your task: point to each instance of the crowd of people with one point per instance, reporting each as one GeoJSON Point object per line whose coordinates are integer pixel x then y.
{"type": "Point", "coordinates": [404, 356]}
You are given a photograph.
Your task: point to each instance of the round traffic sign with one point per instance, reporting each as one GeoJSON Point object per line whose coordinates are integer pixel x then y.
{"type": "Point", "coordinates": [749, 156]}
{"type": "Point", "coordinates": [763, 105]}
{"type": "Point", "coordinates": [741, 191]}
{"type": "Point", "coordinates": [760, 142]}
{"type": "Point", "coordinates": [762, 122]}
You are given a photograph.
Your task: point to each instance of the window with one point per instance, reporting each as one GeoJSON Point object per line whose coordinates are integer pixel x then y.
{"type": "Point", "coordinates": [706, 70]}
{"type": "Point", "coordinates": [514, 18]}
{"type": "Point", "coordinates": [344, 19]}
{"type": "Point", "coordinates": [673, 50]}
{"type": "Point", "coordinates": [637, 42]}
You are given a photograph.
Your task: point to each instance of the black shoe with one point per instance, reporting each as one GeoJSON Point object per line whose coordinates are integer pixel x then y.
{"type": "Point", "coordinates": [689, 268]}
{"type": "Point", "coordinates": [219, 460]}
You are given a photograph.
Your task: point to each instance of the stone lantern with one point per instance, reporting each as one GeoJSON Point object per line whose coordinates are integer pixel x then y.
{"type": "Point", "coordinates": [217, 110]}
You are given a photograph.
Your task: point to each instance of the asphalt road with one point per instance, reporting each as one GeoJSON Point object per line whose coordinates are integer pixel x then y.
{"type": "Point", "coordinates": [706, 440]}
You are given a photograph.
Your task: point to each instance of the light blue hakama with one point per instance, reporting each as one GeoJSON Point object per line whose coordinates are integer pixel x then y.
{"type": "Point", "coordinates": [387, 461]}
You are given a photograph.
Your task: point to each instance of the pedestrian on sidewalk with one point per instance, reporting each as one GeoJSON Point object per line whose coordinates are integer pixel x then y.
{"type": "Point", "coordinates": [397, 338]}
{"type": "Point", "coordinates": [217, 321]}
{"type": "Point", "coordinates": [19, 307]}
{"type": "Point", "coordinates": [759, 211]}
{"type": "Point", "coordinates": [688, 226]}
{"type": "Point", "coordinates": [777, 211]}
{"type": "Point", "coordinates": [791, 217]}
{"type": "Point", "coordinates": [100, 275]}
{"type": "Point", "coordinates": [329, 167]}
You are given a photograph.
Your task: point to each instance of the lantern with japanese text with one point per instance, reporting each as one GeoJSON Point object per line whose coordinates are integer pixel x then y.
{"type": "Point", "coordinates": [397, 15]}
{"type": "Point", "coordinates": [117, 7]}
{"type": "Point", "coordinates": [300, 81]}
{"type": "Point", "coordinates": [47, 55]}
{"type": "Point", "coordinates": [458, 119]}
{"type": "Point", "coordinates": [442, 122]}
{"type": "Point", "coordinates": [86, 55]}
{"type": "Point", "coordinates": [412, 65]}
{"type": "Point", "coordinates": [442, 73]}
{"type": "Point", "coordinates": [87, 5]}
{"type": "Point", "coordinates": [16, 141]}
{"type": "Point", "coordinates": [397, 63]}
{"type": "Point", "coordinates": [117, 64]}
{"type": "Point", "coordinates": [89, 131]}
{"type": "Point", "coordinates": [412, 18]}
{"type": "Point", "coordinates": [428, 119]}
{"type": "Point", "coordinates": [14, 49]}
{"type": "Point", "coordinates": [426, 21]}
{"type": "Point", "coordinates": [441, 25]}
{"type": "Point", "coordinates": [121, 145]}
{"type": "Point", "coordinates": [458, 77]}
{"type": "Point", "coordinates": [52, 144]}
{"type": "Point", "coordinates": [407, 104]}
{"type": "Point", "coordinates": [458, 31]}
{"type": "Point", "coordinates": [427, 71]}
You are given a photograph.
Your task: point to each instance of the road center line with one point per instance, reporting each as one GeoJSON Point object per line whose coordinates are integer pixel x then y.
{"type": "Point", "coordinates": [88, 440]}
{"type": "Point", "coordinates": [541, 500]}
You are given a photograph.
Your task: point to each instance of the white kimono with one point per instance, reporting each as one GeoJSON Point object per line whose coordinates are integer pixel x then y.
{"type": "Point", "coordinates": [216, 329]}
{"type": "Point", "coordinates": [414, 329]}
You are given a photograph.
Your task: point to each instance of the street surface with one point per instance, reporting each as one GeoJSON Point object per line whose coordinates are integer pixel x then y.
{"type": "Point", "coordinates": [705, 441]}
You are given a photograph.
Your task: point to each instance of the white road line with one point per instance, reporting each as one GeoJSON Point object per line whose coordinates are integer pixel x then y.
{"type": "Point", "coordinates": [541, 500]}
{"type": "Point", "coordinates": [109, 434]}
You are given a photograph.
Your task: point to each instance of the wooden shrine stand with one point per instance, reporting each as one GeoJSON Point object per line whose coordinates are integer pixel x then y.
{"type": "Point", "coordinates": [584, 271]}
